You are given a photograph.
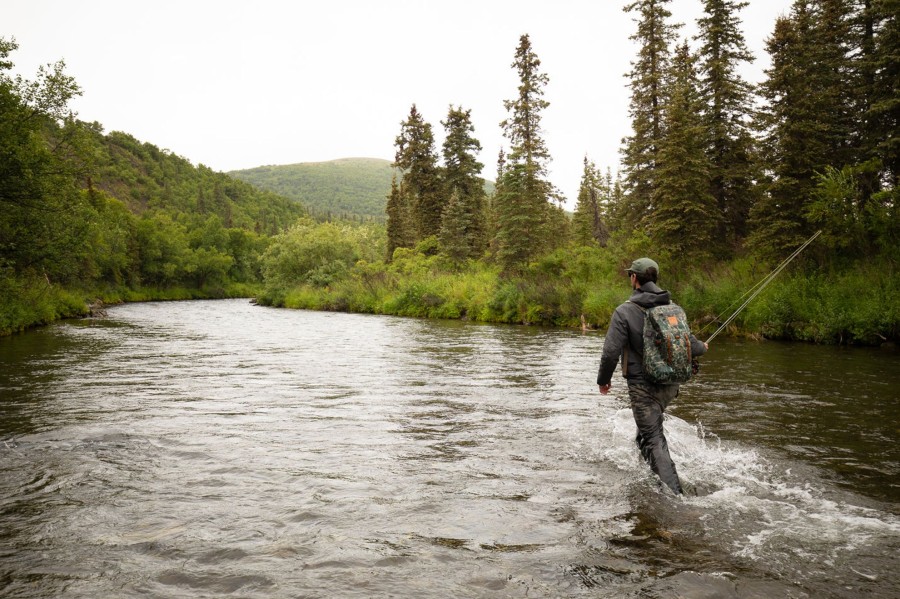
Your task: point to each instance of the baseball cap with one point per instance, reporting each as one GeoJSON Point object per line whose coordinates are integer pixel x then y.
{"type": "Point", "coordinates": [641, 265]}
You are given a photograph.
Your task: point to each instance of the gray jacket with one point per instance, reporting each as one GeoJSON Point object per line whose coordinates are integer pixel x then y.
{"type": "Point", "coordinates": [626, 333]}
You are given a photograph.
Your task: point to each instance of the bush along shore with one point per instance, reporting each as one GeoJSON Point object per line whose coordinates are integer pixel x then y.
{"type": "Point", "coordinates": [580, 289]}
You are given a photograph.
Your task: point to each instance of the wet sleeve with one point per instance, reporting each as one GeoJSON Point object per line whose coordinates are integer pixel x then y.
{"type": "Point", "coordinates": [613, 345]}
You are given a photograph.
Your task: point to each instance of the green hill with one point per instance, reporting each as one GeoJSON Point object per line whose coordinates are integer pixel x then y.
{"type": "Point", "coordinates": [347, 187]}
{"type": "Point", "coordinates": [344, 187]}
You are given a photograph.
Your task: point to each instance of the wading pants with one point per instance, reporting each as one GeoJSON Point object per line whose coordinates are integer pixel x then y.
{"type": "Point", "coordinates": [648, 402]}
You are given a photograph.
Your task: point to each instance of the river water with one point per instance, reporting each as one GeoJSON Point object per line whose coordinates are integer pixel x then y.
{"type": "Point", "coordinates": [204, 449]}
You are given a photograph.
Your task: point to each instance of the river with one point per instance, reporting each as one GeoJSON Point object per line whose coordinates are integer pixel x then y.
{"type": "Point", "coordinates": [217, 448]}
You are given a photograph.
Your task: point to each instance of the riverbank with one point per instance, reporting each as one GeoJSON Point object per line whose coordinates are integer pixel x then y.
{"type": "Point", "coordinates": [30, 302]}
{"type": "Point", "coordinates": [846, 308]}
{"type": "Point", "coordinates": [581, 290]}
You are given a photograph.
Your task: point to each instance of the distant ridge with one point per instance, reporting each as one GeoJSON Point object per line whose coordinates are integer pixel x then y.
{"type": "Point", "coordinates": [346, 187]}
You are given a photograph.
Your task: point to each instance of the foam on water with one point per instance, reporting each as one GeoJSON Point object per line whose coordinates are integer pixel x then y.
{"type": "Point", "coordinates": [759, 508]}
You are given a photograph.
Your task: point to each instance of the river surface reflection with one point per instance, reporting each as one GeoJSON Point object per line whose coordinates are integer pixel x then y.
{"type": "Point", "coordinates": [199, 449]}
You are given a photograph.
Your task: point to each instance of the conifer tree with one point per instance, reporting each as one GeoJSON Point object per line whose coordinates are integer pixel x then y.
{"type": "Point", "coordinates": [728, 111]}
{"type": "Point", "coordinates": [399, 227]}
{"type": "Point", "coordinates": [455, 229]}
{"type": "Point", "coordinates": [648, 97]}
{"type": "Point", "coordinates": [521, 202]}
{"type": "Point", "coordinates": [462, 180]}
{"type": "Point", "coordinates": [588, 222]}
{"type": "Point", "coordinates": [806, 124]}
{"type": "Point", "coordinates": [833, 48]}
{"type": "Point", "coordinates": [793, 147]}
{"type": "Point", "coordinates": [417, 159]}
{"type": "Point", "coordinates": [685, 218]}
{"type": "Point", "coordinates": [880, 89]}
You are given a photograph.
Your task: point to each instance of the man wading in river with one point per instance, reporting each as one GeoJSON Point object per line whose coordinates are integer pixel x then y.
{"type": "Point", "coordinates": [649, 399]}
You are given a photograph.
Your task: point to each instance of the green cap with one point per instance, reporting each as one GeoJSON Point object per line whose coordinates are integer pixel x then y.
{"type": "Point", "coordinates": [641, 265]}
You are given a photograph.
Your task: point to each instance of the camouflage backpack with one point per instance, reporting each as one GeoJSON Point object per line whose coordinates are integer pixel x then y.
{"type": "Point", "coordinates": [667, 345]}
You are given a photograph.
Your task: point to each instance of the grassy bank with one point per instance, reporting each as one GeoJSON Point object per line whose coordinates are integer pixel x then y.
{"type": "Point", "coordinates": [30, 302]}
{"type": "Point", "coordinates": [566, 289]}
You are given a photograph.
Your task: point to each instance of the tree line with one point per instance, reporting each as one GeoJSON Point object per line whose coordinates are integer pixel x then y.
{"type": "Point", "coordinates": [715, 167]}
{"type": "Point", "coordinates": [88, 213]}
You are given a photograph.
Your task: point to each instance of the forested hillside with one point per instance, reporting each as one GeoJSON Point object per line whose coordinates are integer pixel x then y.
{"type": "Point", "coordinates": [344, 188]}
{"type": "Point", "coordinates": [147, 178]}
{"type": "Point", "coordinates": [86, 216]}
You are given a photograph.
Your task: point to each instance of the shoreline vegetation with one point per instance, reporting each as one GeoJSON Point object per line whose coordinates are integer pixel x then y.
{"type": "Point", "coordinates": [570, 290]}
{"type": "Point", "coordinates": [582, 288]}
{"type": "Point", "coordinates": [720, 180]}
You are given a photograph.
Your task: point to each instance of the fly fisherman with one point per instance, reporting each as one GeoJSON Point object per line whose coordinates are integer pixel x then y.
{"type": "Point", "coordinates": [648, 400]}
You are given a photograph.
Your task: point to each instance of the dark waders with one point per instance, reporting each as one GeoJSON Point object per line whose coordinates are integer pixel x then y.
{"type": "Point", "coordinates": [648, 403]}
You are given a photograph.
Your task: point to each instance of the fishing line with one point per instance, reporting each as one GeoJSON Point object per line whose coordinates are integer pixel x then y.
{"type": "Point", "coordinates": [762, 285]}
{"type": "Point", "coordinates": [718, 318]}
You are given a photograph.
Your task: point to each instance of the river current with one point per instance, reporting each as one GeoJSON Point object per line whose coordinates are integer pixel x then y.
{"type": "Point", "coordinates": [217, 448]}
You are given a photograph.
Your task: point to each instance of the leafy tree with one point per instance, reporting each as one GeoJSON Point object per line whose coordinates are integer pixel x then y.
{"type": "Point", "coordinates": [41, 209]}
{"type": "Point", "coordinates": [521, 202]}
{"type": "Point", "coordinates": [853, 223]}
{"type": "Point", "coordinates": [648, 97]}
{"type": "Point", "coordinates": [205, 266]}
{"type": "Point", "coordinates": [685, 218]}
{"type": "Point", "coordinates": [728, 111]}
{"type": "Point", "coordinates": [317, 254]}
{"type": "Point", "coordinates": [163, 248]}
{"type": "Point", "coordinates": [416, 158]}
{"type": "Point", "coordinates": [463, 185]}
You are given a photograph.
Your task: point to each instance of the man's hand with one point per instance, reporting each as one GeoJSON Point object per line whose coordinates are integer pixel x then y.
{"type": "Point", "coordinates": [604, 389]}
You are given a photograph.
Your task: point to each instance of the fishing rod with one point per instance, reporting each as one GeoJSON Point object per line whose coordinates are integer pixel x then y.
{"type": "Point", "coordinates": [761, 285]}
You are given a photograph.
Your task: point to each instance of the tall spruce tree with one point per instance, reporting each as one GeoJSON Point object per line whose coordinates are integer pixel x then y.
{"type": "Point", "coordinates": [463, 185]}
{"type": "Point", "coordinates": [648, 97]}
{"type": "Point", "coordinates": [416, 158]}
{"type": "Point", "coordinates": [880, 89]}
{"type": "Point", "coordinates": [686, 217]}
{"type": "Point", "coordinates": [728, 111]}
{"type": "Point", "coordinates": [834, 49]}
{"type": "Point", "coordinates": [806, 125]}
{"type": "Point", "coordinates": [777, 217]}
{"type": "Point", "coordinates": [521, 203]}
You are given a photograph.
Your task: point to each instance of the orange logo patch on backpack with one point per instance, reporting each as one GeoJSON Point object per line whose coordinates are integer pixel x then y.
{"type": "Point", "coordinates": [673, 320]}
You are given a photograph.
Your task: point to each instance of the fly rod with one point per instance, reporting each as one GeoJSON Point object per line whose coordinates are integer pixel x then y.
{"type": "Point", "coordinates": [762, 285]}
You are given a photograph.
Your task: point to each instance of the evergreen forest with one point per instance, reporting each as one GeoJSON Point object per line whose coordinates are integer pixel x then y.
{"type": "Point", "coordinates": [720, 180]}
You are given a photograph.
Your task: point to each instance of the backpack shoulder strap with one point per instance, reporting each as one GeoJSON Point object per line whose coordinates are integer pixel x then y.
{"type": "Point", "coordinates": [625, 351]}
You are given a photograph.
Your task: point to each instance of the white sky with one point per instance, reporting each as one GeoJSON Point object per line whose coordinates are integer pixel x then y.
{"type": "Point", "coordinates": [235, 85]}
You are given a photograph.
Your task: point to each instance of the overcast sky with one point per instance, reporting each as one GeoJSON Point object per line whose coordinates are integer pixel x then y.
{"type": "Point", "coordinates": [235, 85]}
